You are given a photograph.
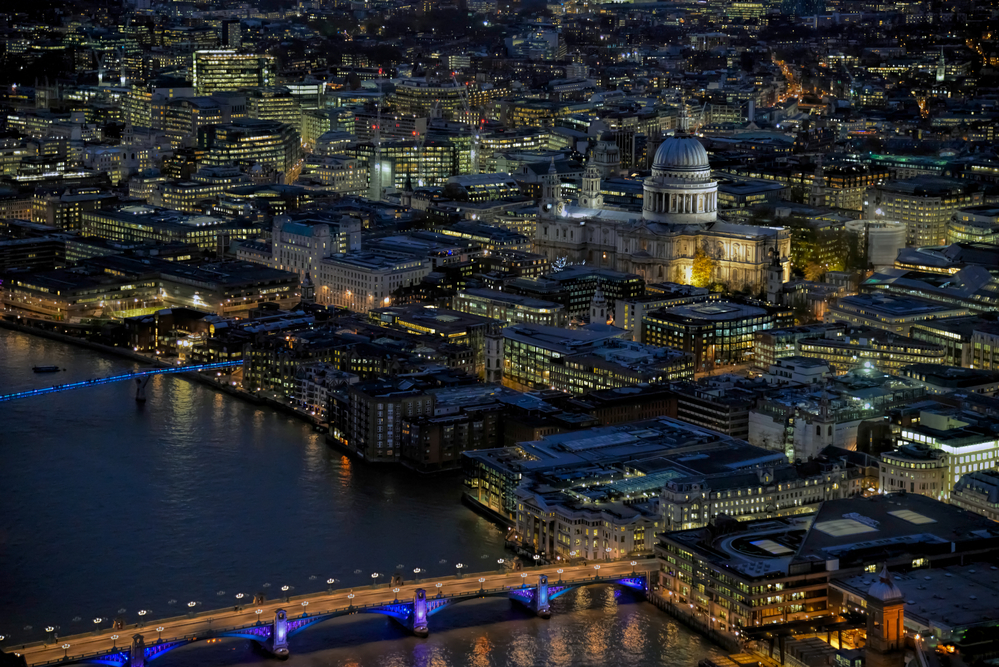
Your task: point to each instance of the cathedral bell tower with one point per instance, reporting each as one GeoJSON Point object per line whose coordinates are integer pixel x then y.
{"type": "Point", "coordinates": [885, 616]}
{"type": "Point", "coordinates": [589, 194]}
{"type": "Point", "coordinates": [551, 194]}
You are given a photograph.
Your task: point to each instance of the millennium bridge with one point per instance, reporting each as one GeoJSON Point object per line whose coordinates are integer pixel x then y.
{"type": "Point", "coordinates": [137, 375]}
{"type": "Point", "coordinates": [273, 624]}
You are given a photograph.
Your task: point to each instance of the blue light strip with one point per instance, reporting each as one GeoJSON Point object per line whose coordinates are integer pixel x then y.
{"type": "Point", "coordinates": [118, 378]}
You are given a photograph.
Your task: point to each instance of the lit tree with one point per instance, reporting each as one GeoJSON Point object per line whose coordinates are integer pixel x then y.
{"type": "Point", "coordinates": [703, 269]}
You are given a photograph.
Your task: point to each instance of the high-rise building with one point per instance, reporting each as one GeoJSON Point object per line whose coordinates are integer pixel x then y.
{"type": "Point", "coordinates": [231, 35]}
{"type": "Point", "coordinates": [225, 69]}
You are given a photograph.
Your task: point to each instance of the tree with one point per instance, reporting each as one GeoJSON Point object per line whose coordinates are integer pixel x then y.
{"type": "Point", "coordinates": [703, 269]}
{"type": "Point", "coordinates": [814, 271]}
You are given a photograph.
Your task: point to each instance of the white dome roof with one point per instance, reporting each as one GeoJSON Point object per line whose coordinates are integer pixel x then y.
{"type": "Point", "coordinates": [884, 588]}
{"type": "Point", "coordinates": [682, 153]}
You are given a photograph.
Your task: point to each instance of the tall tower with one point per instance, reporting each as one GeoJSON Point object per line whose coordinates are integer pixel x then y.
{"type": "Point", "coordinates": [775, 277]}
{"type": "Point", "coordinates": [589, 194]}
{"type": "Point", "coordinates": [885, 615]}
{"type": "Point", "coordinates": [817, 195]}
{"type": "Point", "coordinates": [941, 68]}
{"type": "Point", "coordinates": [598, 307]}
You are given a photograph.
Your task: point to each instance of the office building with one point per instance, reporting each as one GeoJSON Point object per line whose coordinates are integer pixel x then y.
{"type": "Point", "coordinates": [511, 308]}
{"type": "Point", "coordinates": [925, 204]}
{"type": "Point", "coordinates": [581, 360]}
{"type": "Point", "coordinates": [717, 333]}
{"type": "Point", "coordinates": [891, 313]}
{"type": "Point", "coordinates": [226, 69]}
{"type": "Point", "coordinates": [250, 141]}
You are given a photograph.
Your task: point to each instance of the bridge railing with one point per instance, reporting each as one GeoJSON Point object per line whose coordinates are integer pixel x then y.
{"type": "Point", "coordinates": [149, 626]}
{"type": "Point", "coordinates": [94, 382]}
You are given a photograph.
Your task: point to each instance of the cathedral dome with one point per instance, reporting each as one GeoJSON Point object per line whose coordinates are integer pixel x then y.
{"type": "Point", "coordinates": [884, 588]}
{"type": "Point", "coordinates": [681, 154]}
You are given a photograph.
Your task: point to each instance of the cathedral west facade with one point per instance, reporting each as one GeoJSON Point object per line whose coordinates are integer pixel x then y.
{"type": "Point", "coordinates": [679, 217]}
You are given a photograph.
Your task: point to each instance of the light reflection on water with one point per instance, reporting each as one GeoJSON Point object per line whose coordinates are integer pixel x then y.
{"type": "Point", "coordinates": [110, 505]}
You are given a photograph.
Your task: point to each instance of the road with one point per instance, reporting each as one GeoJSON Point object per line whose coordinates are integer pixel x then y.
{"type": "Point", "coordinates": [322, 602]}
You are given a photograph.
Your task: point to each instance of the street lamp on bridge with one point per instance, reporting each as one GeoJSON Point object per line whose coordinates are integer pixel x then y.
{"type": "Point", "coordinates": [537, 560]}
{"type": "Point", "coordinates": [458, 566]}
{"type": "Point", "coordinates": [416, 571]}
{"type": "Point", "coordinates": [159, 631]}
{"type": "Point", "coordinates": [560, 571]}
{"type": "Point", "coordinates": [65, 649]}
{"type": "Point", "coordinates": [500, 561]}
{"type": "Point", "coordinates": [374, 579]}
{"type": "Point", "coordinates": [114, 641]}
{"type": "Point", "coordinates": [330, 582]}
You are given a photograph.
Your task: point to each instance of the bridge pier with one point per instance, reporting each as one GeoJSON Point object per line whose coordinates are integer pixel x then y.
{"type": "Point", "coordinates": [279, 635]}
{"type": "Point", "coordinates": [137, 656]}
{"type": "Point", "coordinates": [419, 618]}
{"type": "Point", "coordinates": [540, 604]}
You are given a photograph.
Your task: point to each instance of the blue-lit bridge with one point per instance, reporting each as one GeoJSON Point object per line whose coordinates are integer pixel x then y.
{"type": "Point", "coordinates": [83, 384]}
{"type": "Point", "coordinates": [273, 624]}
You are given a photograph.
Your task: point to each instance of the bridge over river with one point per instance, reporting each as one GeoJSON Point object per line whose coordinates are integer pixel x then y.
{"type": "Point", "coordinates": [137, 375]}
{"type": "Point", "coordinates": [273, 623]}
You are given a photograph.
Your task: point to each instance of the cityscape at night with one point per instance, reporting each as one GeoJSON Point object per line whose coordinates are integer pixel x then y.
{"type": "Point", "coordinates": [488, 333]}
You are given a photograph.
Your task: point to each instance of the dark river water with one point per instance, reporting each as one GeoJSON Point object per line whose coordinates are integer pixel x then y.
{"type": "Point", "coordinates": [106, 505]}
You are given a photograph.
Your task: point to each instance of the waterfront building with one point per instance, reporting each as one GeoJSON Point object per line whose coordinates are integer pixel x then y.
{"type": "Point", "coordinates": [625, 454]}
{"type": "Point", "coordinates": [313, 386]}
{"type": "Point", "coordinates": [226, 69]}
{"type": "Point", "coordinates": [455, 327]}
{"type": "Point", "coordinates": [116, 286]}
{"type": "Point", "coordinates": [717, 333]}
{"type": "Point", "coordinates": [732, 575]}
{"type": "Point", "coordinates": [767, 492]}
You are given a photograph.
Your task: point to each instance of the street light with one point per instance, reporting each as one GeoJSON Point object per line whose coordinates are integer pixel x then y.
{"type": "Point", "coordinates": [458, 566]}
{"type": "Point", "coordinates": [284, 589]}
{"type": "Point", "coordinates": [439, 586]}
{"type": "Point", "coordinates": [482, 581]}
{"type": "Point", "coordinates": [330, 582]}
{"type": "Point", "coordinates": [537, 560]}
{"type": "Point", "coordinates": [159, 631]}
{"type": "Point", "coordinates": [560, 571]}
{"type": "Point", "coordinates": [596, 571]}
{"type": "Point", "coordinates": [114, 641]}
{"type": "Point", "coordinates": [65, 648]}
{"type": "Point", "coordinates": [500, 561]}
{"type": "Point", "coordinates": [374, 579]}
{"type": "Point", "coordinates": [416, 571]}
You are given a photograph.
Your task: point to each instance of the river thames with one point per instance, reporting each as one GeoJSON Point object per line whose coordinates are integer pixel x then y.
{"type": "Point", "coordinates": [196, 496]}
